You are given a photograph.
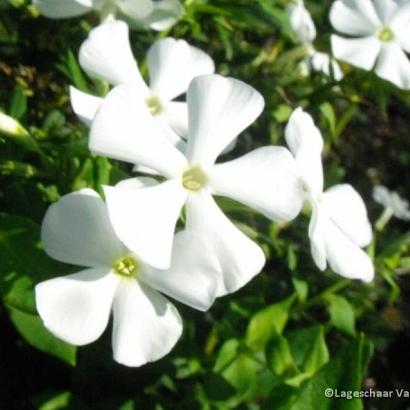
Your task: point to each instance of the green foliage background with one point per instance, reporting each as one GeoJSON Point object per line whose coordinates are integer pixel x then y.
{"type": "Point", "coordinates": [289, 334]}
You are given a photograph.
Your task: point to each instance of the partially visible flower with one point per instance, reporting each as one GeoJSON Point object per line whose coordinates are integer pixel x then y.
{"type": "Point", "coordinates": [158, 15]}
{"type": "Point", "coordinates": [76, 308]}
{"type": "Point", "coordinates": [380, 32]}
{"type": "Point", "coordinates": [301, 22]}
{"type": "Point", "coordinates": [393, 203]}
{"type": "Point", "coordinates": [304, 29]}
{"type": "Point", "coordinates": [264, 179]}
{"type": "Point", "coordinates": [339, 226]}
{"type": "Point", "coordinates": [172, 64]}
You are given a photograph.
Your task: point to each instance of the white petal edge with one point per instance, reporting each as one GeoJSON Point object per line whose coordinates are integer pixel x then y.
{"type": "Point", "coordinates": [124, 129]}
{"type": "Point", "coordinates": [76, 308]}
{"type": "Point", "coordinates": [265, 179]}
{"type": "Point", "coordinates": [393, 65]}
{"type": "Point", "coordinates": [84, 105]}
{"type": "Point", "coordinates": [144, 219]}
{"type": "Point", "coordinates": [193, 275]}
{"type": "Point", "coordinates": [306, 144]}
{"type": "Point", "coordinates": [173, 64]}
{"type": "Point", "coordinates": [240, 258]}
{"type": "Point", "coordinates": [107, 55]}
{"type": "Point", "coordinates": [77, 230]}
{"type": "Point", "coordinates": [360, 52]}
{"type": "Point", "coordinates": [146, 325]}
{"type": "Point", "coordinates": [219, 110]}
{"type": "Point", "coordinates": [345, 257]}
{"type": "Point", "coordinates": [317, 236]}
{"type": "Point", "coordinates": [57, 9]}
{"type": "Point", "coordinates": [346, 208]}
{"type": "Point", "coordinates": [354, 17]}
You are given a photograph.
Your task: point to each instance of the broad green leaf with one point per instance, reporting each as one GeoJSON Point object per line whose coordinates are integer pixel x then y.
{"type": "Point", "coordinates": [309, 350]}
{"type": "Point", "coordinates": [342, 314]}
{"type": "Point", "coordinates": [301, 288]}
{"type": "Point", "coordinates": [345, 372]}
{"type": "Point", "coordinates": [32, 329]}
{"type": "Point", "coordinates": [279, 356]}
{"type": "Point", "coordinates": [268, 322]}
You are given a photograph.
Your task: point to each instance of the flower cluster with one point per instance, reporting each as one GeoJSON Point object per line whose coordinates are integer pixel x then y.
{"type": "Point", "coordinates": [167, 235]}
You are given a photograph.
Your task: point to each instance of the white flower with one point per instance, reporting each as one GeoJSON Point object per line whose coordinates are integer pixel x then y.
{"type": "Point", "coordinates": [158, 15]}
{"type": "Point", "coordinates": [304, 29]}
{"type": "Point", "coordinates": [219, 109]}
{"type": "Point", "coordinates": [323, 63]}
{"type": "Point", "coordinates": [394, 204]}
{"type": "Point", "coordinates": [76, 308]}
{"type": "Point", "coordinates": [339, 226]}
{"type": "Point", "coordinates": [172, 64]}
{"type": "Point", "coordinates": [381, 36]}
{"type": "Point", "coordinates": [301, 22]}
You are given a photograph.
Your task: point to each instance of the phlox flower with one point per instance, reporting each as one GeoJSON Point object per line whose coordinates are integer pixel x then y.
{"type": "Point", "coordinates": [219, 109]}
{"type": "Point", "coordinates": [301, 22]}
{"type": "Point", "coordinates": [339, 226]}
{"type": "Point", "coordinates": [380, 37]}
{"type": "Point", "coordinates": [394, 205]}
{"type": "Point", "coordinates": [304, 29]}
{"type": "Point", "coordinates": [172, 64]}
{"type": "Point", "coordinates": [77, 307]}
{"type": "Point", "coordinates": [158, 15]}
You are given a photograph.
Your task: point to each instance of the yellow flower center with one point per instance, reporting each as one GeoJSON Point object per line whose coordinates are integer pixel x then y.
{"type": "Point", "coordinates": [194, 179]}
{"type": "Point", "coordinates": [386, 34]}
{"type": "Point", "coordinates": [153, 104]}
{"type": "Point", "coordinates": [126, 266]}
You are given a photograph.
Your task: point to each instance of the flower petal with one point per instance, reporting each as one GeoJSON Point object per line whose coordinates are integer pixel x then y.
{"type": "Point", "coordinates": [322, 62]}
{"type": "Point", "coordinates": [124, 129]}
{"type": "Point", "coordinates": [173, 64]}
{"type": "Point", "coordinates": [301, 22]}
{"type": "Point", "coordinates": [306, 144]}
{"type": "Point", "coordinates": [165, 14]}
{"type": "Point", "coordinates": [84, 105]}
{"type": "Point", "coordinates": [175, 114]}
{"type": "Point", "coordinates": [240, 258]}
{"type": "Point", "coordinates": [219, 110]}
{"type": "Point", "coordinates": [194, 273]}
{"type": "Point", "coordinates": [360, 52]}
{"type": "Point", "coordinates": [400, 24]}
{"type": "Point", "coordinates": [107, 55]}
{"type": "Point", "coordinates": [144, 219]}
{"type": "Point", "coordinates": [385, 10]}
{"type": "Point", "coordinates": [393, 65]}
{"type": "Point", "coordinates": [57, 9]}
{"type": "Point", "coordinates": [136, 9]}
{"type": "Point", "coordinates": [347, 210]}
{"type": "Point", "coordinates": [76, 308]}
{"type": "Point", "coordinates": [265, 179]}
{"type": "Point", "coordinates": [77, 230]}
{"type": "Point", "coordinates": [146, 325]}
{"type": "Point", "coordinates": [354, 17]}
{"type": "Point", "coordinates": [345, 257]}
{"type": "Point", "coordinates": [317, 235]}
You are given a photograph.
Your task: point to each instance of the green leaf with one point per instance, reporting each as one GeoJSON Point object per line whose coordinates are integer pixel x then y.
{"type": "Point", "coordinates": [32, 329]}
{"type": "Point", "coordinates": [279, 356]}
{"type": "Point", "coordinates": [22, 262]}
{"type": "Point", "coordinates": [60, 401]}
{"type": "Point", "coordinates": [301, 288]}
{"type": "Point", "coordinates": [345, 372]}
{"type": "Point", "coordinates": [267, 323]}
{"type": "Point", "coordinates": [342, 314]}
{"type": "Point", "coordinates": [309, 350]}
{"type": "Point", "coordinates": [18, 103]}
